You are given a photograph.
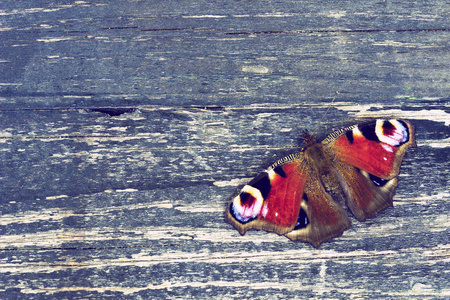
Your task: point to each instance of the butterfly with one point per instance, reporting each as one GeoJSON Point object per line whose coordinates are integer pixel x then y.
{"type": "Point", "coordinates": [302, 195]}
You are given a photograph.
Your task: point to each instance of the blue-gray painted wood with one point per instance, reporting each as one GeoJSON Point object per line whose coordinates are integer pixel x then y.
{"type": "Point", "coordinates": [127, 126]}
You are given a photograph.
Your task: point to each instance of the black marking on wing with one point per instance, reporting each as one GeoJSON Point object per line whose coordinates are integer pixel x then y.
{"type": "Point", "coordinates": [305, 197]}
{"type": "Point", "coordinates": [377, 180]}
{"type": "Point", "coordinates": [407, 132]}
{"type": "Point", "coordinates": [246, 198]}
{"type": "Point", "coordinates": [368, 132]}
{"type": "Point", "coordinates": [388, 127]}
{"type": "Point", "coordinates": [302, 220]}
{"type": "Point", "coordinates": [349, 135]}
{"type": "Point", "coordinates": [279, 170]}
{"type": "Point", "coordinates": [262, 183]}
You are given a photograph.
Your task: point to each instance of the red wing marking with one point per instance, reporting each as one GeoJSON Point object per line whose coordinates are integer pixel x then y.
{"type": "Point", "coordinates": [373, 157]}
{"type": "Point", "coordinates": [282, 204]}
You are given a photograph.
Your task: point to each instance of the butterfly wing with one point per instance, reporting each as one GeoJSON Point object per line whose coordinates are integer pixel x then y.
{"type": "Point", "coordinates": [289, 199]}
{"type": "Point", "coordinates": [271, 201]}
{"type": "Point", "coordinates": [367, 159]}
{"type": "Point", "coordinates": [320, 217]}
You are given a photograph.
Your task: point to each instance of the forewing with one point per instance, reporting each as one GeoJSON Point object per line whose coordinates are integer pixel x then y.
{"type": "Point", "coordinates": [271, 201]}
{"type": "Point", "coordinates": [367, 160]}
{"type": "Point", "coordinates": [376, 147]}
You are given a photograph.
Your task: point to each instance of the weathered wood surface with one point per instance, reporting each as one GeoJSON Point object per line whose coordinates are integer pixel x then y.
{"type": "Point", "coordinates": [126, 127]}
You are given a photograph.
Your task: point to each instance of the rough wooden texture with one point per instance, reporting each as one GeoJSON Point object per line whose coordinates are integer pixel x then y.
{"type": "Point", "coordinates": [126, 127]}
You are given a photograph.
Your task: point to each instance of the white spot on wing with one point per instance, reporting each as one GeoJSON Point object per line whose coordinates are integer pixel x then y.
{"type": "Point", "coordinates": [271, 174]}
{"type": "Point", "coordinates": [264, 210]}
{"type": "Point", "coordinates": [388, 148]}
{"type": "Point", "coordinates": [398, 135]}
{"type": "Point", "coordinates": [357, 132]}
{"type": "Point", "coordinates": [251, 211]}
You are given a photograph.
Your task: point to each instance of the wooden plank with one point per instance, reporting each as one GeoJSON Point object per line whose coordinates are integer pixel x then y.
{"type": "Point", "coordinates": [90, 55]}
{"type": "Point", "coordinates": [127, 126]}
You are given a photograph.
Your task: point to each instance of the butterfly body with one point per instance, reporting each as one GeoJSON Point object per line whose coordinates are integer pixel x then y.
{"type": "Point", "coordinates": [302, 195]}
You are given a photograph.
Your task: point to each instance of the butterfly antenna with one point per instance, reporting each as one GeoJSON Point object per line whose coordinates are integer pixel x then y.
{"type": "Point", "coordinates": [329, 106]}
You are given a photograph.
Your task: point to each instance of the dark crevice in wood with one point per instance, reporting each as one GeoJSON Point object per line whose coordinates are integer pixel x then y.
{"type": "Point", "coordinates": [113, 111]}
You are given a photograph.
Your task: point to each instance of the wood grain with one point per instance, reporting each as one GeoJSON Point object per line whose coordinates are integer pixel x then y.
{"type": "Point", "coordinates": [127, 126]}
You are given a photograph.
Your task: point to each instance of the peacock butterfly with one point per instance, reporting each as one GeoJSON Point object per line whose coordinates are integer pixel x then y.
{"type": "Point", "coordinates": [301, 195]}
